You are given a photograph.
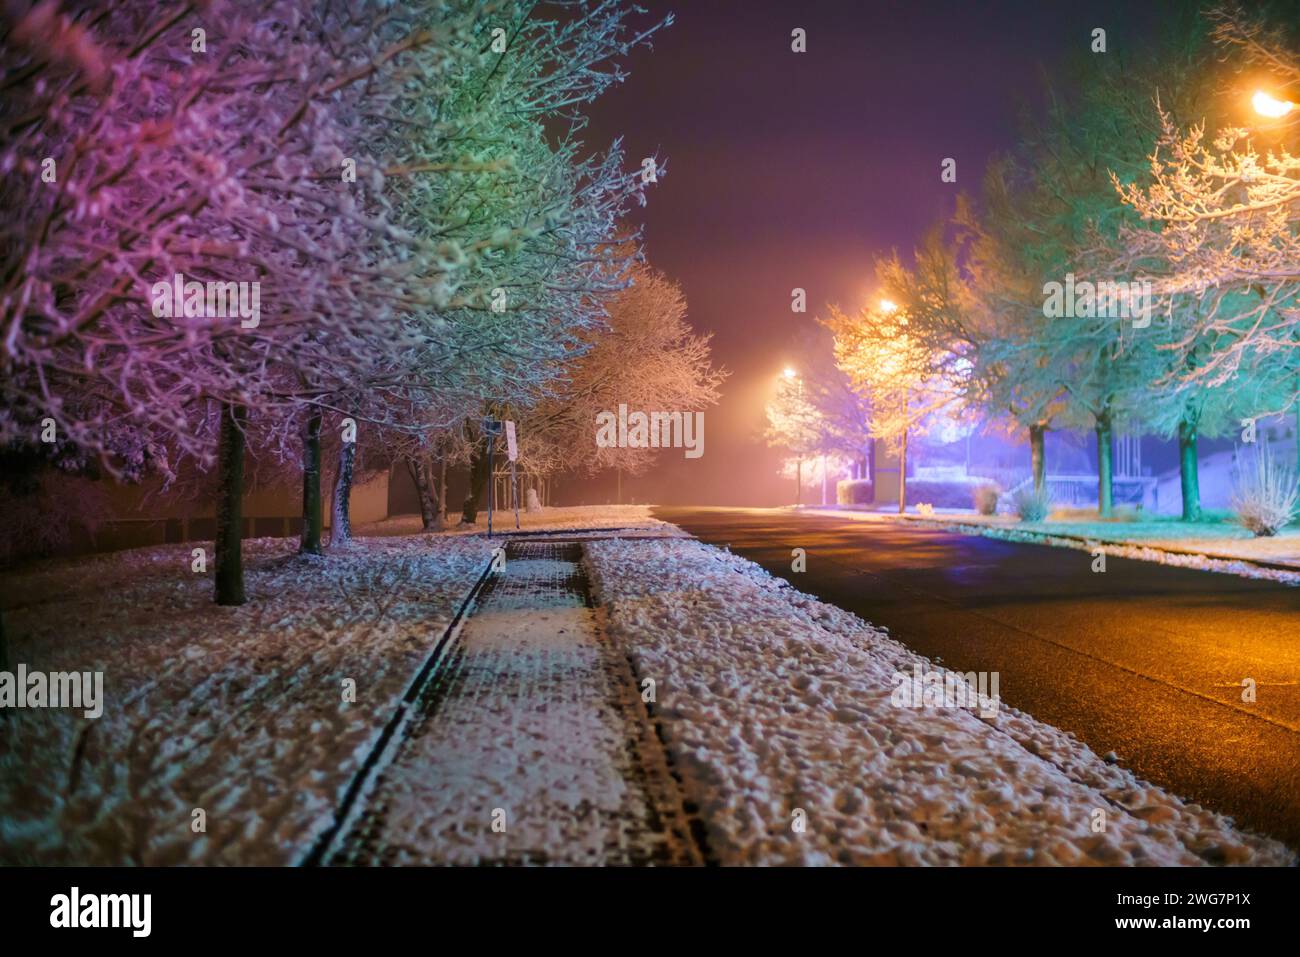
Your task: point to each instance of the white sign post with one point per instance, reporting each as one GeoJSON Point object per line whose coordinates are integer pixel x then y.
{"type": "Point", "coordinates": [513, 451]}
{"type": "Point", "coordinates": [511, 448]}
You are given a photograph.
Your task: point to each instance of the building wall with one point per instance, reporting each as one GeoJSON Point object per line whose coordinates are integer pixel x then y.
{"type": "Point", "coordinates": [139, 516]}
{"type": "Point", "coordinates": [369, 501]}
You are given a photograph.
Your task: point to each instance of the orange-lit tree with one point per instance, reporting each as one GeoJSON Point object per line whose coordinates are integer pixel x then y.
{"type": "Point", "coordinates": [902, 378]}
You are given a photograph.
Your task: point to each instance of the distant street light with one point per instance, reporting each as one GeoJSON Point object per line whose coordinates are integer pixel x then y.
{"type": "Point", "coordinates": [887, 305]}
{"type": "Point", "coordinates": [790, 373]}
{"type": "Point", "coordinates": [1271, 107]}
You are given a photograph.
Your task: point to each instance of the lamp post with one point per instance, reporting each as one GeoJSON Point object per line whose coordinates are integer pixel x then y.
{"type": "Point", "coordinates": [889, 307]}
{"type": "Point", "coordinates": [1272, 108]}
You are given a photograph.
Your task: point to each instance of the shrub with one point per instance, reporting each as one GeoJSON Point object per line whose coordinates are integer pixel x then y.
{"type": "Point", "coordinates": [1265, 494]}
{"type": "Point", "coordinates": [854, 492]}
{"type": "Point", "coordinates": [986, 499]}
{"type": "Point", "coordinates": [49, 514]}
{"type": "Point", "coordinates": [1033, 505]}
{"type": "Point", "coordinates": [943, 492]}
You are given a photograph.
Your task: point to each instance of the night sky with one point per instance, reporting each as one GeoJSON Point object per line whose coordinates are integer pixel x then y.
{"type": "Point", "coordinates": [790, 170]}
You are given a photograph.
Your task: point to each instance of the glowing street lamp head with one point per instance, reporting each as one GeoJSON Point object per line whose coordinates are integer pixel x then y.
{"type": "Point", "coordinates": [1266, 105]}
{"type": "Point", "coordinates": [789, 373]}
{"type": "Point", "coordinates": [888, 305]}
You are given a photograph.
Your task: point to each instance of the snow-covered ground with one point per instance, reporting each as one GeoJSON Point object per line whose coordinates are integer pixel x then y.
{"type": "Point", "coordinates": [774, 703]}
{"type": "Point", "coordinates": [1209, 546]}
{"type": "Point", "coordinates": [775, 707]}
{"type": "Point", "coordinates": [558, 519]}
{"type": "Point", "coordinates": [239, 712]}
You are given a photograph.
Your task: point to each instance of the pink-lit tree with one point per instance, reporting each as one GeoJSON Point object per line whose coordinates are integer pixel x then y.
{"type": "Point", "coordinates": [216, 144]}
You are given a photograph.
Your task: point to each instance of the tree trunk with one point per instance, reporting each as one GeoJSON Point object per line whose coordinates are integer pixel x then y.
{"type": "Point", "coordinates": [902, 475]}
{"type": "Point", "coordinates": [478, 478]}
{"type": "Point", "coordinates": [437, 492]}
{"type": "Point", "coordinates": [1037, 444]}
{"type": "Point", "coordinates": [420, 476]}
{"type": "Point", "coordinates": [1188, 470]}
{"type": "Point", "coordinates": [341, 515]}
{"type": "Point", "coordinates": [442, 491]}
{"type": "Point", "coordinates": [1105, 467]}
{"type": "Point", "coordinates": [230, 499]}
{"type": "Point", "coordinates": [313, 515]}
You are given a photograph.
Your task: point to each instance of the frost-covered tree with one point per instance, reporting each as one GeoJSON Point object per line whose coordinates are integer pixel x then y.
{"type": "Point", "coordinates": [1013, 378]}
{"type": "Point", "coordinates": [1218, 242]}
{"type": "Point", "coordinates": [899, 374]}
{"type": "Point", "coordinates": [645, 356]}
{"type": "Point", "coordinates": [1051, 218]}
{"type": "Point", "coordinates": [843, 415]}
{"type": "Point", "coordinates": [214, 146]}
{"type": "Point", "coordinates": [794, 423]}
{"type": "Point", "coordinates": [1223, 256]}
{"type": "Point", "coordinates": [483, 158]}
{"type": "Point", "coordinates": [974, 306]}
{"type": "Point", "coordinates": [1220, 230]}
{"type": "Point", "coordinates": [153, 141]}
{"type": "Point", "coordinates": [530, 215]}
{"type": "Point", "coordinates": [376, 172]}
{"type": "Point", "coordinates": [815, 413]}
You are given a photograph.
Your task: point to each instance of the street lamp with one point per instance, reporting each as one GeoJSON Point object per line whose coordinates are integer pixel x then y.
{"type": "Point", "coordinates": [888, 305]}
{"type": "Point", "coordinates": [1273, 108]}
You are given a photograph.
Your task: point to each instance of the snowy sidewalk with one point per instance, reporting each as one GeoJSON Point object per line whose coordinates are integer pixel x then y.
{"type": "Point", "coordinates": [780, 714]}
{"type": "Point", "coordinates": [531, 746]}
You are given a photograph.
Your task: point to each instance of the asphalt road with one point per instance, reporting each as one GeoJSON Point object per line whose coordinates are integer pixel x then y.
{"type": "Point", "coordinates": [1144, 660]}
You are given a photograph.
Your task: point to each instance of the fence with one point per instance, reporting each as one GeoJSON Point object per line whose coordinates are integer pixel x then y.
{"type": "Point", "coordinates": [501, 488]}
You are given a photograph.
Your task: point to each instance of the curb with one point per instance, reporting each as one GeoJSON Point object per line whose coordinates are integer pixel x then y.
{"type": "Point", "coordinates": [1045, 538]}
